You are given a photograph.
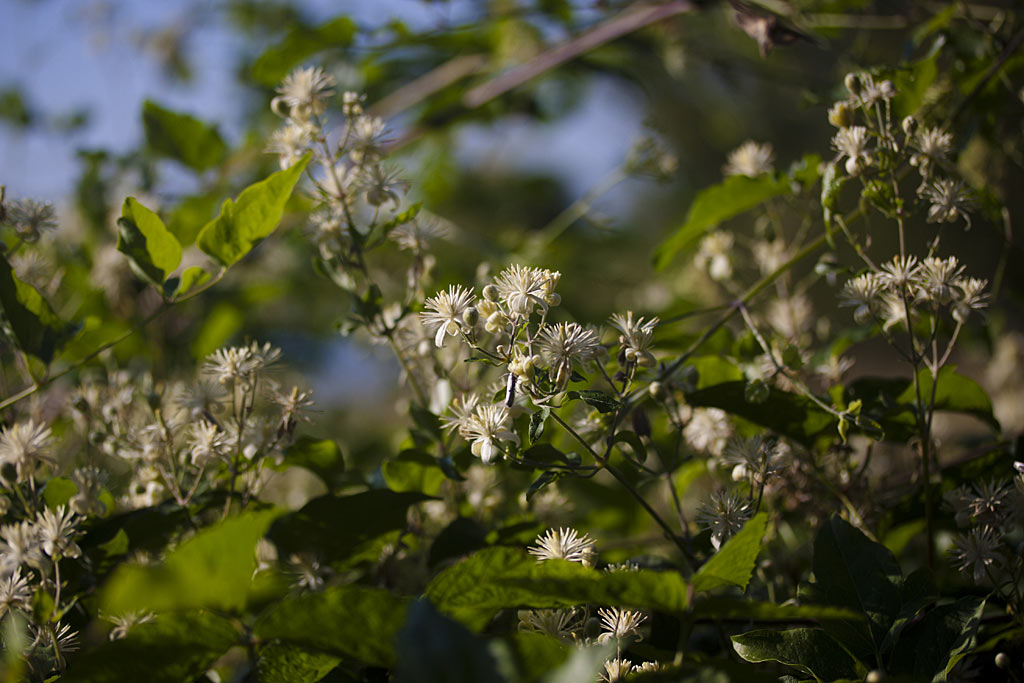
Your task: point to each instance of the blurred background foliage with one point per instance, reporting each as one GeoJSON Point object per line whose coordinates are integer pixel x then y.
{"type": "Point", "coordinates": [516, 120]}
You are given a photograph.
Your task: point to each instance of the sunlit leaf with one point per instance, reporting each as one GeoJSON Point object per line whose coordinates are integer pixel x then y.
{"type": "Point", "coordinates": [810, 650]}
{"type": "Point", "coordinates": [734, 563]}
{"type": "Point", "coordinates": [244, 223]}
{"type": "Point", "coordinates": [154, 252]}
{"type": "Point", "coordinates": [718, 203]}
{"type": "Point", "coordinates": [287, 663]}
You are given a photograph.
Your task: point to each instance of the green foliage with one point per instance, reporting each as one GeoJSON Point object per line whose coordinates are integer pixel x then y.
{"type": "Point", "coordinates": [182, 137]}
{"type": "Point", "coordinates": [171, 649]}
{"type": "Point", "coordinates": [810, 650]}
{"type": "Point", "coordinates": [320, 456]}
{"type": "Point", "coordinates": [413, 470]}
{"type": "Point", "coordinates": [287, 663]}
{"type": "Point", "coordinates": [214, 569]}
{"type": "Point", "coordinates": [300, 44]}
{"type": "Point", "coordinates": [734, 563]}
{"type": "Point", "coordinates": [434, 649]}
{"type": "Point", "coordinates": [154, 252]}
{"type": "Point", "coordinates": [718, 203]}
{"type": "Point", "coordinates": [37, 328]}
{"type": "Point", "coordinates": [244, 223]}
{"type": "Point", "coordinates": [345, 621]}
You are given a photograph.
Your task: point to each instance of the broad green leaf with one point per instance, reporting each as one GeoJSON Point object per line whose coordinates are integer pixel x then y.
{"type": "Point", "coordinates": [182, 137]}
{"type": "Point", "coordinates": [788, 414]}
{"type": "Point", "coordinates": [348, 621]}
{"type": "Point", "coordinates": [244, 223]}
{"type": "Point", "coordinates": [734, 563]}
{"type": "Point", "coordinates": [496, 578]}
{"type": "Point", "coordinates": [605, 403]}
{"type": "Point", "coordinates": [212, 569]}
{"type": "Point", "coordinates": [810, 650]}
{"type": "Point", "coordinates": [435, 649]}
{"type": "Point", "coordinates": [413, 470]}
{"type": "Point", "coordinates": [301, 43]}
{"type": "Point", "coordinates": [714, 369]}
{"type": "Point", "coordinates": [852, 571]}
{"type": "Point", "coordinates": [320, 456]}
{"type": "Point", "coordinates": [171, 649]}
{"type": "Point", "coordinates": [338, 527]}
{"type": "Point", "coordinates": [717, 203]}
{"type": "Point", "coordinates": [190, 279]}
{"type": "Point", "coordinates": [929, 649]}
{"type": "Point", "coordinates": [744, 609]}
{"type": "Point", "coordinates": [287, 663]}
{"type": "Point", "coordinates": [37, 328]}
{"type": "Point", "coordinates": [461, 537]}
{"type": "Point", "coordinates": [58, 491]}
{"type": "Point", "coordinates": [893, 400]}
{"type": "Point", "coordinates": [143, 237]}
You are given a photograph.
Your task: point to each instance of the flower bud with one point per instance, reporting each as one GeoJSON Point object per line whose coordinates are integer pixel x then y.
{"type": "Point", "coordinates": [888, 90]}
{"type": "Point", "coordinates": [657, 391]}
{"type": "Point", "coordinates": [874, 676]}
{"type": "Point", "coordinates": [853, 84]}
{"type": "Point", "coordinates": [857, 165]}
{"type": "Point", "coordinates": [490, 292]}
{"type": "Point", "coordinates": [1003, 660]}
{"type": "Point", "coordinates": [471, 316]}
{"type": "Point", "coordinates": [841, 115]}
{"type": "Point", "coordinates": [910, 125]}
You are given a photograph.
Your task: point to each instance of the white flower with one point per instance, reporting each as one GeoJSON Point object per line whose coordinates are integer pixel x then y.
{"type": "Point", "coordinates": [22, 447]}
{"type": "Point", "coordinates": [707, 430]}
{"type": "Point", "coordinates": [724, 514]}
{"type": "Point", "coordinates": [557, 623]}
{"type": "Point", "coordinates": [485, 428]}
{"type": "Point", "coordinates": [750, 159]}
{"type": "Point", "coordinates": [637, 335]}
{"type": "Point", "coordinates": [562, 344]}
{"type": "Point", "coordinates": [949, 201]}
{"type": "Point", "coordinates": [123, 623]}
{"type": "Point", "coordinates": [289, 143]}
{"type": "Point", "coordinates": [240, 364]}
{"type": "Point", "coordinates": [19, 547]}
{"type": "Point", "coordinates": [933, 145]}
{"type": "Point", "coordinates": [973, 298]}
{"type": "Point", "coordinates": [715, 255]}
{"type": "Point", "coordinates": [445, 312]}
{"type": "Point", "coordinates": [381, 184]}
{"type": "Point", "coordinates": [900, 273]}
{"type": "Point", "coordinates": [619, 623]}
{"type": "Point", "coordinates": [30, 218]}
{"type": "Point", "coordinates": [15, 593]}
{"type": "Point", "coordinates": [57, 530]}
{"type": "Point", "coordinates": [524, 289]}
{"type": "Point", "coordinates": [564, 544]}
{"type": "Point", "coordinates": [940, 280]}
{"type": "Point", "coordinates": [461, 410]}
{"type": "Point", "coordinates": [206, 442]}
{"type": "Point", "coordinates": [416, 235]}
{"type": "Point", "coordinates": [368, 135]}
{"type": "Point", "coordinates": [864, 292]}
{"type": "Point", "coordinates": [976, 553]}
{"type": "Point", "coordinates": [616, 670]}
{"type": "Point", "coordinates": [304, 92]}
{"type": "Point", "coordinates": [853, 142]}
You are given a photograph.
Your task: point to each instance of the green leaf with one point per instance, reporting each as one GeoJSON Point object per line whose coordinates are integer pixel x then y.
{"type": "Point", "coordinates": [191, 278]}
{"type": "Point", "coordinates": [734, 563]}
{"type": "Point", "coordinates": [58, 491]}
{"type": "Point", "coordinates": [348, 621]}
{"type": "Point", "coordinates": [831, 185]}
{"type": "Point", "coordinates": [318, 526]}
{"type": "Point", "coordinates": [744, 609]}
{"type": "Point", "coordinates": [171, 649]}
{"type": "Point", "coordinates": [718, 203]}
{"type": "Point", "coordinates": [537, 420]}
{"type": "Point", "coordinates": [533, 654]}
{"type": "Point", "coordinates": [320, 456]}
{"type": "Point", "coordinates": [244, 223]}
{"type": "Point", "coordinates": [929, 649]}
{"type": "Point", "coordinates": [788, 414]}
{"type": "Point", "coordinates": [300, 44]}
{"type": "Point", "coordinates": [435, 649]}
{"type": "Point", "coordinates": [605, 403]}
{"type": "Point", "coordinates": [212, 569]}
{"type": "Point", "coordinates": [810, 650]}
{"type": "Point", "coordinates": [461, 537]}
{"type": "Point", "coordinates": [182, 137]}
{"type": "Point", "coordinates": [287, 663]}
{"type": "Point", "coordinates": [37, 328]}
{"type": "Point", "coordinates": [143, 237]}
{"type": "Point", "coordinates": [496, 578]}
{"type": "Point", "coordinates": [413, 470]}
{"type": "Point", "coordinates": [854, 572]}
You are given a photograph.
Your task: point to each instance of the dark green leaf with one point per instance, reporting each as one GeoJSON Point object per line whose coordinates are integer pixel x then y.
{"type": "Point", "coordinates": [788, 414]}
{"type": "Point", "coordinates": [734, 563]}
{"type": "Point", "coordinates": [744, 609]}
{"type": "Point", "coordinates": [286, 663]}
{"type": "Point", "coordinates": [275, 63]}
{"type": "Point", "coordinates": [348, 621]}
{"type": "Point", "coordinates": [337, 527]}
{"type": "Point", "coordinates": [171, 649]}
{"type": "Point", "coordinates": [143, 237]}
{"type": "Point", "coordinates": [605, 403]}
{"type": "Point", "coordinates": [37, 328]}
{"type": "Point", "coordinates": [244, 223]}
{"type": "Point", "coordinates": [497, 578]}
{"type": "Point", "coordinates": [542, 454]}
{"type": "Point", "coordinates": [413, 470]}
{"type": "Point", "coordinates": [58, 491]}
{"type": "Point", "coordinates": [932, 647]}
{"type": "Point", "coordinates": [810, 650]}
{"type": "Point", "coordinates": [182, 137]}
{"type": "Point", "coordinates": [854, 572]}
{"type": "Point", "coordinates": [461, 537]}
{"type": "Point", "coordinates": [435, 649]}
{"type": "Point", "coordinates": [537, 420]}
{"type": "Point", "coordinates": [212, 569]}
{"type": "Point", "coordinates": [320, 456]}
{"type": "Point", "coordinates": [717, 203]}
{"type": "Point", "coordinates": [636, 452]}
